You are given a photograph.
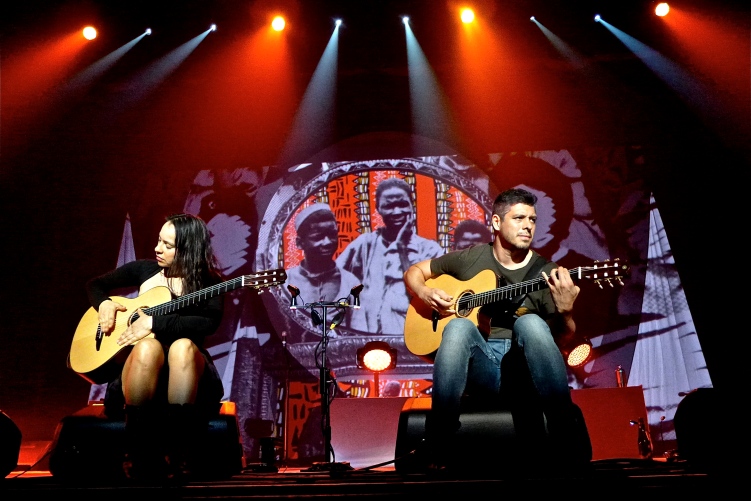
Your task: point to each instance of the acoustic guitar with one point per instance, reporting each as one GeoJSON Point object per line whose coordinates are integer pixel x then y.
{"type": "Point", "coordinates": [97, 357]}
{"type": "Point", "coordinates": [423, 326]}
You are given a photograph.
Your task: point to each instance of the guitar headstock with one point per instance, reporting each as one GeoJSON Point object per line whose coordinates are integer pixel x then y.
{"type": "Point", "coordinates": [261, 280]}
{"type": "Point", "coordinates": [609, 272]}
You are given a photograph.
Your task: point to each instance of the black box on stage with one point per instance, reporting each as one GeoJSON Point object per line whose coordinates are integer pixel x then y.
{"type": "Point", "coordinates": [89, 446]}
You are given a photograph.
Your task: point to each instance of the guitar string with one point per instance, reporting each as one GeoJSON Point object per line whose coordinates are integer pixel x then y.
{"type": "Point", "coordinates": [473, 300]}
{"type": "Point", "coordinates": [209, 292]}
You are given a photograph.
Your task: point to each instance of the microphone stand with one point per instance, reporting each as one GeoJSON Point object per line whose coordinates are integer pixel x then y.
{"type": "Point", "coordinates": [324, 372]}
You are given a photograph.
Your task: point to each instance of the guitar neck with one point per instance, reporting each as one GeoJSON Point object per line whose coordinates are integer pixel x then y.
{"type": "Point", "coordinates": [208, 293]}
{"type": "Point", "coordinates": [510, 291]}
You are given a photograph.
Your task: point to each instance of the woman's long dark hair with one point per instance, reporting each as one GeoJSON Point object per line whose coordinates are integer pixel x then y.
{"type": "Point", "coordinates": [194, 259]}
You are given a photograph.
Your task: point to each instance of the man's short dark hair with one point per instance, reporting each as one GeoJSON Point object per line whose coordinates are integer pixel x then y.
{"type": "Point", "coordinates": [508, 198]}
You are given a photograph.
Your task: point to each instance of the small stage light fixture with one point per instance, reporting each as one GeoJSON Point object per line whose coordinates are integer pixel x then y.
{"type": "Point", "coordinates": [376, 356]}
{"type": "Point", "coordinates": [577, 352]}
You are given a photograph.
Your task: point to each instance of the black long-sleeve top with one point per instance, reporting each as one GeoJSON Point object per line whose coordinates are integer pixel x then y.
{"type": "Point", "coordinates": [195, 322]}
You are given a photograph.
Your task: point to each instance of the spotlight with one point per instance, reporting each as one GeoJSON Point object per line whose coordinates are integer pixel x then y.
{"type": "Point", "coordinates": [338, 22]}
{"type": "Point", "coordinates": [376, 356]}
{"type": "Point", "coordinates": [278, 23]}
{"type": "Point", "coordinates": [532, 19]}
{"type": "Point", "coordinates": [597, 18]}
{"type": "Point", "coordinates": [467, 16]}
{"type": "Point", "coordinates": [89, 33]}
{"type": "Point", "coordinates": [212, 27]}
{"type": "Point", "coordinates": [148, 31]}
{"type": "Point", "coordinates": [577, 351]}
{"type": "Point", "coordinates": [405, 19]}
{"type": "Point", "coordinates": [662, 9]}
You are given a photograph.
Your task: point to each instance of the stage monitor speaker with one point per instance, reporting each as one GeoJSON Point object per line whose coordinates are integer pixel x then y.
{"type": "Point", "coordinates": [696, 422]}
{"type": "Point", "coordinates": [10, 444]}
{"type": "Point", "coordinates": [90, 447]}
{"type": "Point", "coordinates": [475, 448]}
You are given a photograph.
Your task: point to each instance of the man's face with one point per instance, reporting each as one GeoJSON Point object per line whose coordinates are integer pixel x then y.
{"type": "Point", "coordinates": [319, 240]}
{"type": "Point", "coordinates": [395, 207]}
{"type": "Point", "coordinates": [517, 228]}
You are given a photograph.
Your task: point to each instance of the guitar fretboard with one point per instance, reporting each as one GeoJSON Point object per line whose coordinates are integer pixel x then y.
{"type": "Point", "coordinates": [510, 291]}
{"type": "Point", "coordinates": [257, 281]}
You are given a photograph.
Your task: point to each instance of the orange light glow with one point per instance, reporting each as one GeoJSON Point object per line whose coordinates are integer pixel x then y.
{"type": "Point", "coordinates": [717, 49]}
{"type": "Point", "coordinates": [278, 23]}
{"type": "Point", "coordinates": [662, 9]}
{"type": "Point", "coordinates": [467, 15]}
{"type": "Point", "coordinates": [89, 33]}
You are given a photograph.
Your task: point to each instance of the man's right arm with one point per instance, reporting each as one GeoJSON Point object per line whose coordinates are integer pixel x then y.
{"type": "Point", "coordinates": [416, 277]}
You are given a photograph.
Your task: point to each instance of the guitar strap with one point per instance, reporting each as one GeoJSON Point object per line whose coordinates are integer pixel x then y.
{"type": "Point", "coordinates": [532, 273]}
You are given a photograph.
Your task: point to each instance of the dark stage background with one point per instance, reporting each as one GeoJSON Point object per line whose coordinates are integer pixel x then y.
{"type": "Point", "coordinates": [75, 161]}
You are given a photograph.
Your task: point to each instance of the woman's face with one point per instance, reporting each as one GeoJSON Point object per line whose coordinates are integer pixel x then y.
{"type": "Point", "coordinates": [165, 246]}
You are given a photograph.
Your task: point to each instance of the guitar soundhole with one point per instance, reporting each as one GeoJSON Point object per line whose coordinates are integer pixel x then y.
{"type": "Point", "coordinates": [462, 306]}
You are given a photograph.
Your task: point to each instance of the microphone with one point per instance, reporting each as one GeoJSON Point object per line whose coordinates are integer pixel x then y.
{"type": "Point", "coordinates": [337, 320]}
{"type": "Point", "coordinates": [295, 294]}
{"type": "Point", "coordinates": [355, 292]}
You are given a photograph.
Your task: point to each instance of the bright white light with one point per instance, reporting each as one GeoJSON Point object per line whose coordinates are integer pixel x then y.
{"type": "Point", "coordinates": [148, 31]}
{"type": "Point", "coordinates": [213, 27]}
{"type": "Point", "coordinates": [662, 9]}
{"type": "Point", "coordinates": [405, 20]}
{"type": "Point", "coordinates": [89, 33]}
{"type": "Point", "coordinates": [597, 18]}
{"type": "Point", "coordinates": [338, 22]}
{"type": "Point", "coordinates": [467, 16]}
{"type": "Point", "coordinates": [278, 23]}
{"type": "Point", "coordinates": [532, 19]}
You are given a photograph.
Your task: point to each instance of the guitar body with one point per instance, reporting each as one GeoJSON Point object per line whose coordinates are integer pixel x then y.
{"type": "Point", "coordinates": [98, 358]}
{"type": "Point", "coordinates": [423, 330]}
{"type": "Point", "coordinates": [422, 333]}
{"type": "Point", "coordinates": [99, 361]}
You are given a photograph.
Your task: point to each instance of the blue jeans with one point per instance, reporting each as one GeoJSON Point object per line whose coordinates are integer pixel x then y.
{"type": "Point", "coordinates": [527, 374]}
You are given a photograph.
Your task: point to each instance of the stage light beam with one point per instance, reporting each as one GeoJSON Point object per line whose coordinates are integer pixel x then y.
{"type": "Point", "coordinates": [467, 15]}
{"type": "Point", "coordinates": [662, 9]}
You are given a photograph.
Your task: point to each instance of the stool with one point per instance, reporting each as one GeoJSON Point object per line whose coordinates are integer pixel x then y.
{"type": "Point", "coordinates": [89, 446]}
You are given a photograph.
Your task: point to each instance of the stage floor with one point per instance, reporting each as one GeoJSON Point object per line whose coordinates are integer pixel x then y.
{"type": "Point", "coordinates": [608, 479]}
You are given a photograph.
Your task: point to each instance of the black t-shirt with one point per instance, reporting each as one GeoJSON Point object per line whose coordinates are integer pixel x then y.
{"type": "Point", "coordinates": [470, 267]}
